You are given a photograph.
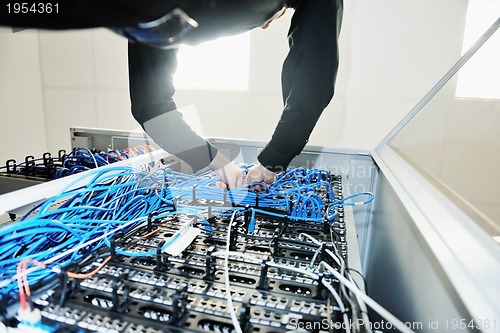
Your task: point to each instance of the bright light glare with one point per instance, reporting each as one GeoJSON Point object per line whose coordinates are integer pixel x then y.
{"type": "Point", "coordinates": [219, 64]}
{"type": "Point", "coordinates": [480, 77]}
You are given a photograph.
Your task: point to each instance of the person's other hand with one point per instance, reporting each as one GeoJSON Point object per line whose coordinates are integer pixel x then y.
{"type": "Point", "coordinates": [276, 16]}
{"type": "Point", "coordinates": [259, 174]}
{"type": "Point", "coordinates": [231, 176]}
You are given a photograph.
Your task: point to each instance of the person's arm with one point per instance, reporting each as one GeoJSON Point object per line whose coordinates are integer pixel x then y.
{"type": "Point", "coordinates": [308, 79]}
{"type": "Point", "coordinates": [151, 93]}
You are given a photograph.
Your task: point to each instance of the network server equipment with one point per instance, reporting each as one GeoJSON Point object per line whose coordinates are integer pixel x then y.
{"type": "Point", "coordinates": [33, 170]}
{"type": "Point", "coordinates": [155, 250]}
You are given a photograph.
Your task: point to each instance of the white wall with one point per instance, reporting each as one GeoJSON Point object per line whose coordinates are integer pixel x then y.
{"type": "Point", "coordinates": [20, 96]}
{"type": "Point", "coordinates": [85, 82]}
{"type": "Point", "coordinates": [392, 53]}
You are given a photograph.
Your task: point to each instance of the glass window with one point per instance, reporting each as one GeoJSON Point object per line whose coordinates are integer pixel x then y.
{"type": "Point", "coordinates": [219, 64]}
{"type": "Point", "coordinates": [455, 142]}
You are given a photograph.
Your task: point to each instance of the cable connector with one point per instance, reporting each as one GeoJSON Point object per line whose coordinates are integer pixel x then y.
{"type": "Point", "coordinates": [31, 317]}
{"type": "Point", "coordinates": [30, 321]}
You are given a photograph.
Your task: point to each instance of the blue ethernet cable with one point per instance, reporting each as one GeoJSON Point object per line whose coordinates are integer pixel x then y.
{"type": "Point", "coordinates": [116, 195]}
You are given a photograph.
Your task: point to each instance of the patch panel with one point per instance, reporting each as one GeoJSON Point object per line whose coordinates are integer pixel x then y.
{"type": "Point", "coordinates": [267, 276]}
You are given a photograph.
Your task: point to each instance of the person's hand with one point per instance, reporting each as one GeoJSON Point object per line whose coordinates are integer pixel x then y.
{"type": "Point", "coordinates": [231, 176]}
{"type": "Point", "coordinates": [276, 16]}
{"type": "Point", "coordinates": [259, 174]}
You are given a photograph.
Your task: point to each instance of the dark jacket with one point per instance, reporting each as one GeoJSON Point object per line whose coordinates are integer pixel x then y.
{"type": "Point", "coordinates": [308, 79]}
{"type": "Point", "coordinates": [308, 75]}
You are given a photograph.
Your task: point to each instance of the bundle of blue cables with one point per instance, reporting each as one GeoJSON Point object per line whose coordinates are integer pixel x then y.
{"type": "Point", "coordinates": [82, 159]}
{"type": "Point", "coordinates": [84, 219]}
